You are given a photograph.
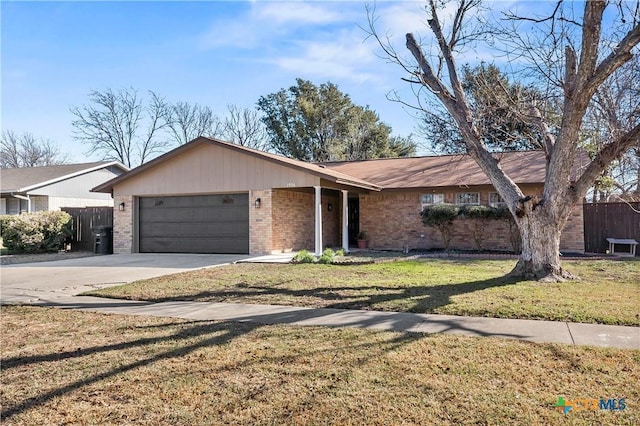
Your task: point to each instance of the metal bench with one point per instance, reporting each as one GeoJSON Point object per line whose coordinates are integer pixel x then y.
{"type": "Point", "coordinates": [628, 242]}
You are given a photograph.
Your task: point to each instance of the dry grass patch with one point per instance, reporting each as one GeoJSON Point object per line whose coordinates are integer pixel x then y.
{"type": "Point", "coordinates": [608, 293]}
{"type": "Point", "coordinates": [69, 367]}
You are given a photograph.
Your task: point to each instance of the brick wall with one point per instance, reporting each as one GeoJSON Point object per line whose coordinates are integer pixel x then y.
{"type": "Point", "coordinates": [294, 221]}
{"type": "Point", "coordinates": [260, 222]}
{"type": "Point", "coordinates": [392, 221]}
{"type": "Point", "coordinates": [572, 238]}
{"type": "Point", "coordinates": [123, 225]}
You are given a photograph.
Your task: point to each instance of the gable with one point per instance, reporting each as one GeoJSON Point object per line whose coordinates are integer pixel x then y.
{"type": "Point", "coordinates": [26, 178]}
{"type": "Point", "coordinates": [212, 168]}
{"type": "Point", "coordinates": [78, 186]}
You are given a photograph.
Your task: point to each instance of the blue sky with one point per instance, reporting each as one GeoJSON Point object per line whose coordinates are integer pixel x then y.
{"type": "Point", "coordinates": [212, 53]}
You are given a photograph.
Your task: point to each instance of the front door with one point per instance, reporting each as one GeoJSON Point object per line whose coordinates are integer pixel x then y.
{"type": "Point", "coordinates": [354, 220]}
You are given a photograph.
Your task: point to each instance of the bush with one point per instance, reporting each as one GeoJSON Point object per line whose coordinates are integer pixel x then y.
{"type": "Point", "coordinates": [480, 212]}
{"type": "Point", "coordinates": [303, 256]}
{"type": "Point", "coordinates": [35, 232]}
{"type": "Point", "coordinates": [341, 252]}
{"type": "Point", "coordinates": [503, 213]}
{"type": "Point", "coordinates": [328, 256]}
{"type": "Point", "coordinates": [441, 217]}
{"type": "Point", "coordinates": [480, 216]}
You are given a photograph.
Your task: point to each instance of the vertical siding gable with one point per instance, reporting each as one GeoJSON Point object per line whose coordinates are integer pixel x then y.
{"type": "Point", "coordinates": [80, 186]}
{"type": "Point", "coordinates": [209, 168]}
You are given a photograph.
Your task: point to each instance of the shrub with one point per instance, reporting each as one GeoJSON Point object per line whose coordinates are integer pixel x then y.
{"type": "Point", "coordinates": [328, 256]}
{"type": "Point", "coordinates": [441, 217]}
{"type": "Point", "coordinates": [303, 256]}
{"type": "Point", "coordinates": [503, 213]}
{"type": "Point", "coordinates": [35, 232]}
{"type": "Point", "coordinates": [480, 216]}
{"type": "Point", "coordinates": [341, 252]}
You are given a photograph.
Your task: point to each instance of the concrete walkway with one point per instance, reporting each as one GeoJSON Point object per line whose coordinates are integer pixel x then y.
{"type": "Point", "coordinates": [529, 330]}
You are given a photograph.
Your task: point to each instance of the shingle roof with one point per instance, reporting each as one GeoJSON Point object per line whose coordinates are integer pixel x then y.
{"type": "Point", "coordinates": [389, 173]}
{"type": "Point", "coordinates": [26, 178]}
{"type": "Point", "coordinates": [440, 171]}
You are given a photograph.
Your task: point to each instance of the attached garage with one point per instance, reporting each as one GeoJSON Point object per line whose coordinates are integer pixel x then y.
{"type": "Point", "coordinates": [194, 224]}
{"type": "Point", "coordinates": [209, 196]}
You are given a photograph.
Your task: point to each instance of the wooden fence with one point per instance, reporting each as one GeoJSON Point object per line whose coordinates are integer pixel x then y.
{"type": "Point", "coordinates": [610, 220]}
{"type": "Point", "coordinates": [84, 219]}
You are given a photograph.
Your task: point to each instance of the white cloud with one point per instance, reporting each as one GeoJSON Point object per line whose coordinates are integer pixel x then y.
{"type": "Point", "coordinates": [341, 56]}
{"type": "Point", "coordinates": [296, 13]}
{"type": "Point", "coordinates": [269, 22]}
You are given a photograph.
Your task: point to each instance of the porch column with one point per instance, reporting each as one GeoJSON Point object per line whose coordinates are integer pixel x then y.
{"type": "Point", "coordinates": [345, 221]}
{"type": "Point", "coordinates": [318, 204]}
{"type": "Point", "coordinates": [27, 199]}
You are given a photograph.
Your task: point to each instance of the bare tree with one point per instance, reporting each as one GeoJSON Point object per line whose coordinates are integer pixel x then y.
{"type": "Point", "coordinates": [243, 126]}
{"type": "Point", "coordinates": [615, 111]}
{"type": "Point", "coordinates": [119, 126]}
{"type": "Point", "coordinates": [26, 150]}
{"type": "Point", "coordinates": [572, 56]}
{"type": "Point", "coordinates": [185, 122]}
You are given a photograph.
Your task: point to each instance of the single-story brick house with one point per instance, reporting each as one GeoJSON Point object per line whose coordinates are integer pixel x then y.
{"type": "Point", "coordinates": [49, 188]}
{"type": "Point", "coordinates": [210, 196]}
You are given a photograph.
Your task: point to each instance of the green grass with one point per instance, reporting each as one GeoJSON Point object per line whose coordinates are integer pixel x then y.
{"type": "Point", "coordinates": [608, 292]}
{"type": "Point", "coordinates": [70, 367]}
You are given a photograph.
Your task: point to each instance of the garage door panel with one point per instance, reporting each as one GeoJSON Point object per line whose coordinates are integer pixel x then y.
{"type": "Point", "coordinates": [194, 224]}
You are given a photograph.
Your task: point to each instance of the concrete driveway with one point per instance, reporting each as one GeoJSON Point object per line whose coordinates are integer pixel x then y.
{"type": "Point", "coordinates": [31, 282]}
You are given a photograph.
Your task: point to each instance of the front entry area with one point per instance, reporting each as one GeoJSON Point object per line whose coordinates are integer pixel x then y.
{"type": "Point", "coordinates": [194, 224]}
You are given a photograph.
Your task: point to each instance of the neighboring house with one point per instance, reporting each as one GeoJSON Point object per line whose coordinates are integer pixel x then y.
{"type": "Point", "coordinates": [47, 188]}
{"type": "Point", "coordinates": [210, 196]}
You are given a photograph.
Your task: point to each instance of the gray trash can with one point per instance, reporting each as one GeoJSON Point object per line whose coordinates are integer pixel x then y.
{"type": "Point", "coordinates": [103, 240]}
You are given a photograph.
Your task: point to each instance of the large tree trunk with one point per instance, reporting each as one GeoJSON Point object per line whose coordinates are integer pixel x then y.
{"type": "Point", "coordinates": [540, 233]}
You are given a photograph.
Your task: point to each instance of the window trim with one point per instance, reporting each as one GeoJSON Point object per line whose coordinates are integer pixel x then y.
{"type": "Point", "coordinates": [496, 204]}
{"type": "Point", "coordinates": [467, 204]}
{"type": "Point", "coordinates": [433, 195]}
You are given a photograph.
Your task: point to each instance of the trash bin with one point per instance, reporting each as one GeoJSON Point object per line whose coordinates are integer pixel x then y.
{"type": "Point", "coordinates": [103, 240]}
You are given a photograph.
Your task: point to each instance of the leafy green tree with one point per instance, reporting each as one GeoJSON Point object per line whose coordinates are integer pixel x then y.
{"type": "Point", "coordinates": [320, 123]}
{"type": "Point", "coordinates": [499, 109]}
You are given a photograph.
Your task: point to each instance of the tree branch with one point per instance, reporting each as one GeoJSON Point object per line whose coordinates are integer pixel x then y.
{"type": "Point", "coordinates": [603, 158]}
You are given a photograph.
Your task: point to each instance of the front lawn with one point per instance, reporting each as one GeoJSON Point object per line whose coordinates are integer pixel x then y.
{"type": "Point", "coordinates": [608, 292]}
{"type": "Point", "coordinates": [70, 367]}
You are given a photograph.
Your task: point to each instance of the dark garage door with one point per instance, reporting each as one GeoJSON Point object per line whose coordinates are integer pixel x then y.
{"type": "Point", "coordinates": [195, 224]}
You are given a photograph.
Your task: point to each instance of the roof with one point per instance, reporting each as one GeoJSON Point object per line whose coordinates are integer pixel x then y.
{"type": "Point", "coordinates": [440, 171]}
{"type": "Point", "coordinates": [319, 170]}
{"type": "Point", "coordinates": [524, 167]}
{"type": "Point", "coordinates": [23, 179]}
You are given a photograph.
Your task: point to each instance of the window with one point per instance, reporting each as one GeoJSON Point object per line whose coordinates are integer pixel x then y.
{"type": "Point", "coordinates": [429, 199]}
{"type": "Point", "coordinates": [467, 198]}
{"type": "Point", "coordinates": [495, 200]}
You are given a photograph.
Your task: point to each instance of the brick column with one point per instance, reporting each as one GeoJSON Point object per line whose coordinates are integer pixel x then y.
{"type": "Point", "coordinates": [123, 224]}
{"type": "Point", "coordinates": [260, 222]}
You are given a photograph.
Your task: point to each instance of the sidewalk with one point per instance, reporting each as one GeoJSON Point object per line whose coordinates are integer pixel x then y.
{"type": "Point", "coordinates": [624, 337]}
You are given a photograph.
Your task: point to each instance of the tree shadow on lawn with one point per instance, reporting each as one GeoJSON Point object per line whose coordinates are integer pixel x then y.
{"type": "Point", "coordinates": [208, 334]}
{"type": "Point", "coordinates": [421, 299]}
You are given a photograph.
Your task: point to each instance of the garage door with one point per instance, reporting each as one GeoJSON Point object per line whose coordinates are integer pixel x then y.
{"type": "Point", "coordinates": [194, 224]}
